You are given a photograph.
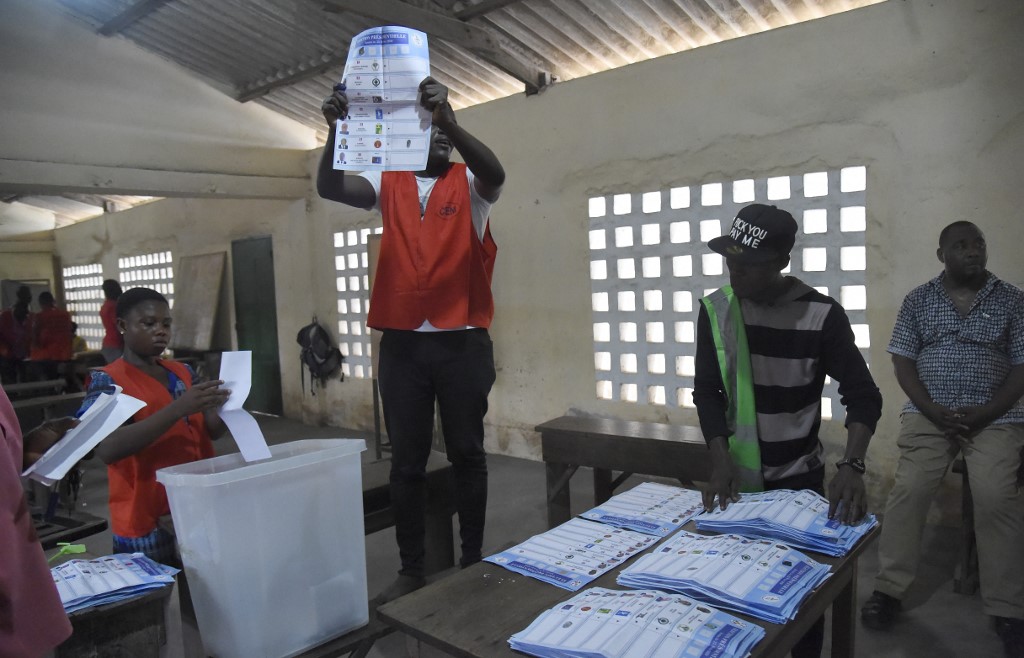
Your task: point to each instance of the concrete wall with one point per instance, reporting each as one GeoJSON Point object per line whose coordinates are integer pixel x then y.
{"type": "Point", "coordinates": [31, 264]}
{"type": "Point", "coordinates": [925, 94]}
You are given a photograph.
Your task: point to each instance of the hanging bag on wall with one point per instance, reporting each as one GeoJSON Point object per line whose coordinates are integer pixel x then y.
{"type": "Point", "coordinates": [318, 354]}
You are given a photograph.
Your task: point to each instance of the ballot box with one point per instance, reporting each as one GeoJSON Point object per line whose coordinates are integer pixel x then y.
{"type": "Point", "coordinates": [273, 549]}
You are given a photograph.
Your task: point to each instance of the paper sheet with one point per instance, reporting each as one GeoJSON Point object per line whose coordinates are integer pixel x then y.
{"type": "Point", "coordinates": [386, 128]}
{"type": "Point", "coordinates": [236, 372]}
{"type": "Point", "coordinates": [105, 415]}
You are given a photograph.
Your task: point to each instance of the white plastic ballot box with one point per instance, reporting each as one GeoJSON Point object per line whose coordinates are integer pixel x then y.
{"type": "Point", "coordinates": [273, 550]}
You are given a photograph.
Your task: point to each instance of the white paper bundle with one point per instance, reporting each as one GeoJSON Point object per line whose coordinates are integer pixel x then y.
{"type": "Point", "coordinates": [89, 583]}
{"type": "Point", "coordinates": [615, 624]}
{"type": "Point", "coordinates": [758, 577]}
{"type": "Point", "coordinates": [650, 508]}
{"type": "Point", "coordinates": [106, 414]}
{"type": "Point", "coordinates": [799, 518]}
{"type": "Point", "coordinates": [573, 554]}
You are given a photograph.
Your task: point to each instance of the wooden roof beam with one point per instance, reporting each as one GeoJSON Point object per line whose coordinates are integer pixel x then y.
{"type": "Point", "coordinates": [27, 177]}
{"type": "Point", "coordinates": [129, 16]}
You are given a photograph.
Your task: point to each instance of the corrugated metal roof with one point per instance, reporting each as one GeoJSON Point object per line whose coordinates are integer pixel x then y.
{"type": "Point", "coordinates": [286, 54]}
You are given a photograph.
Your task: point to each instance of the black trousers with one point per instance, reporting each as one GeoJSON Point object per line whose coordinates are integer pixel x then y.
{"type": "Point", "coordinates": [810, 645]}
{"type": "Point", "coordinates": [455, 368]}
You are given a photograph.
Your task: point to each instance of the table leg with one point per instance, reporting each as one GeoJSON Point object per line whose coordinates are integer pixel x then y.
{"type": "Point", "coordinates": [844, 618]}
{"type": "Point", "coordinates": [602, 485]}
{"type": "Point", "coordinates": [558, 492]}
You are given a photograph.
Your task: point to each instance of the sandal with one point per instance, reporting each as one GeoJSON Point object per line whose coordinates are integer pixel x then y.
{"type": "Point", "coordinates": [879, 612]}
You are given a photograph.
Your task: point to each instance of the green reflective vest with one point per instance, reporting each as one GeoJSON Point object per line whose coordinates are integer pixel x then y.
{"type": "Point", "coordinates": [730, 337]}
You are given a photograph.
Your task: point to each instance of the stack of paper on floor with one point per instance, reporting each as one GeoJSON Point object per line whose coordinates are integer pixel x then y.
{"type": "Point", "coordinates": [799, 518]}
{"type": "Point", "coordinates": [650, 508]}
{"type": "Point", "coordinates": [573, 554]}
{"type": "Point", "coordinates": [758, 577]}
{"type": "Point", "coordinates": [615, 624]}
{"type": "Point", "coordinates": [89, 583]}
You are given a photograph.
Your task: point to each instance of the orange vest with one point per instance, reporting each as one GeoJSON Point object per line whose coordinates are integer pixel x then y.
{"type": "Point", "coordinates": [432, 267]}
{"type": "Point", "coordinates": [137, 500]}
{"type": "Point", "coordinates": [52, 332]}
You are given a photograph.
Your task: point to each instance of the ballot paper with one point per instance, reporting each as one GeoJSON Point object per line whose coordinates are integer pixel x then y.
{"type": "Point", "coordinates": [650, 508]}
{"type": "Point", "coordinates": [616, 624]}
{"type": "Point", "coordinates": [386, 128]}
{"type": "Point", "coordinates": [236, 373]}
{"type": "Point", "coordinates": [799, 518]}
{"type": "Point", "coordinates": [573, 554]}
{"type": "Point", "coordinates": [90, 583]}
{"type": "Point", "coordinates": [107, 413]}
{"type": "Point", "coordinates": [758, 577]}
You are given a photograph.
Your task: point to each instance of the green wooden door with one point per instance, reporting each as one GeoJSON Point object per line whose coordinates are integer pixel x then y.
{"type": "Point", "coordinates": [252, 267]}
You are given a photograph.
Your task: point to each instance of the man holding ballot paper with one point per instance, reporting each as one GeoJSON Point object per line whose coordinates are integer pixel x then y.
{"type": "Point", "coordinates": [432, 300]}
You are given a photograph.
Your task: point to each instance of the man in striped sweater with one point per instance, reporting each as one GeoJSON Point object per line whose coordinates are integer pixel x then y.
{"type": "Point", "coordinates": [765, 344]}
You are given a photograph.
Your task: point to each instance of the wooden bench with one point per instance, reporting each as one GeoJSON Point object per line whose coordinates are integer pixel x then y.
{"type": "Point", "coordinates": [33, 411]}
{"type": "Point", "coordinates": [607, 445]}
{"type": "Point", "coordinates": [23, 390]}
{"type": "Point", "coordinates": [378, 515]}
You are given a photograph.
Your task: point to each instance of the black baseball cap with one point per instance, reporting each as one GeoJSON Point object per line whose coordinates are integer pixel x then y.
{"type": "Point", "coordinates": [758, 234]}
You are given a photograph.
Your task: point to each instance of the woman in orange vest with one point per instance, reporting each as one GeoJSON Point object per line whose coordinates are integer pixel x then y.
{"type": "Point", "coordinates": [175, 427]}
{"type": "Point", "coordinates": [15, 336]}
{"type": "Point", "coordinates": [113, 342]}
{"type": "Point", "coordinates": [51, 338]}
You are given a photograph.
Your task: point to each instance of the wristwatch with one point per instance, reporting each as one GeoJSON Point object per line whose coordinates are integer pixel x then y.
{"type": "Point", "coordinates": [855, 463]}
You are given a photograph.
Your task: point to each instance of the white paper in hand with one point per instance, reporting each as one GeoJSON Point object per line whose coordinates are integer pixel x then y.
{"type": "Point", "coordinates": [236, 373]}
{"type": "Point", "coordinates": [105, 415]}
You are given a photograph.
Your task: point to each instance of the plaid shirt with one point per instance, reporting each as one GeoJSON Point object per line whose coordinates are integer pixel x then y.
{"type": "Point", "coordinates": [962, 361]}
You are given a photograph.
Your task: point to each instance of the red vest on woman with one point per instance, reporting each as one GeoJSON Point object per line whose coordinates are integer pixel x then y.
{"type": "Point", "coordinates": [108, 315]}
{"type": "Point", "coordinates": [137, 500]}
{"type": "Point", "coordinates": [432, 267]}
{"type": "Point", "coordinates": [52, 332]}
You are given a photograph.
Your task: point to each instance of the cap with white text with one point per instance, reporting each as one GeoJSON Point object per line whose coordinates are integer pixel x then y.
{"type": "Point", "coordinates": [758, 234]}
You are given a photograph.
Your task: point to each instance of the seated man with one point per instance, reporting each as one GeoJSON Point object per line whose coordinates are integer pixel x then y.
{"type": "Point", "coordinates": [958, 352]}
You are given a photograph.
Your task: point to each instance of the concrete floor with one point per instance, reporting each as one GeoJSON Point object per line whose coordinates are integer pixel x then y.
{"type": "Point", "coordinates": [937, 622]}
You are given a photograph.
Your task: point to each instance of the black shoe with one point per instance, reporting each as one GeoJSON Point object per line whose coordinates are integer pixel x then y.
{"type": "Point", "coordinates": [1011, 632]}
{"type": "Point", "coordinates": [880, 611]}
{"type": "Point", "coordinates": [403, 585]}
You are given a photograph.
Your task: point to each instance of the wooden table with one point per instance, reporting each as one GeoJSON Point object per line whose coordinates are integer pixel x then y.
{"type": "Point", "coordinates": [130, 627]}
{"type": "Point", "coordinates": [608, 444]}
{"type": "Point", "coordinates": [473, 612]}
{"type": "Point", "coordinates": [69, 527]}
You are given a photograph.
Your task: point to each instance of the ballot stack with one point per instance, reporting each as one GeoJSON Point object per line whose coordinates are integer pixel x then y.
{"type": "Point", "coordinates": [758, 577]}
{"type": "Point", "coordinates": [89, 583]}
{"type": "Point", "coordinates": [582, 549]}
{"type": "Point", "coordinates": [799, 518]}
{"type": "Point", "coordinates": [609, 623]}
